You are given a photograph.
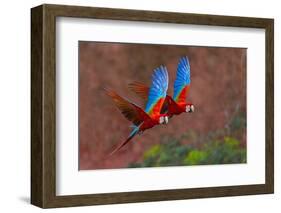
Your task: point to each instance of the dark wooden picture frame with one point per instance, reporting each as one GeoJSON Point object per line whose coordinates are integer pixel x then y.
{"type": "Point", "coordinates": [43, 105]}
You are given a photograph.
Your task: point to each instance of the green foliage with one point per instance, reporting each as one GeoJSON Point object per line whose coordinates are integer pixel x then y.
{"type": "Point", "coordinates": [194, 157]}
{"type": "Point", "coordinates": [224, 152]}
{"type": "Point", "coordinates": [153, 151]}
{"type": "Point", "coordinates": [221, 146]}
{"type": "Point", "coordinates": [174, 154]}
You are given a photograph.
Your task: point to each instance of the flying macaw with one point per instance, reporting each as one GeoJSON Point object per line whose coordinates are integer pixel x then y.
{"type": "Point", "coordinates": [177, 104]}
{"type": "Point", "coordinates": [148, 118]}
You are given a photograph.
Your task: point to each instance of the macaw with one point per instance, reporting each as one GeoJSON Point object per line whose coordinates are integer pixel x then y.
{"type": "Point", "coordinates": [148, 118]}
{"type": "Point", "coordinates": [177, 104]}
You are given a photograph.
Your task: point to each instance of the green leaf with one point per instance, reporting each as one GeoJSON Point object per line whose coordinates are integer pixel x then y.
{"type": "Point", "coordinates": [195, 157]}
{"type": "Point", "coordinates": [152, 152]}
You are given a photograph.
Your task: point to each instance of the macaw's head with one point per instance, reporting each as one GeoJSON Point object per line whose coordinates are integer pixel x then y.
{"type": "Point", "coordinates": [163, 119]}
{"type": "Point", "coordinates": [189, 107]}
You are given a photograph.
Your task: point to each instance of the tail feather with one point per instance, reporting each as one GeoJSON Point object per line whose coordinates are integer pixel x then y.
{"type": "Point", "coordinates": [133, 133]}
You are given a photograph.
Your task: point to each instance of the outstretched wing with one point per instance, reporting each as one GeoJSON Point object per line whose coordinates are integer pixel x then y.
{"type": "Point", "coordinates": [131, 111]}
{"type": "Point", "coordinates": [140, 89]}
{"type": "Point", "coordinates": [182, 82]}
{"type": "Point", "coordinates": [157, 91]}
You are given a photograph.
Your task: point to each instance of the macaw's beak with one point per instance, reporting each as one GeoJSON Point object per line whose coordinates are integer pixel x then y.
{"type": "Point", "coordinates": [191, 109]}
{"type": "Point", "coordinates": [166, 120]}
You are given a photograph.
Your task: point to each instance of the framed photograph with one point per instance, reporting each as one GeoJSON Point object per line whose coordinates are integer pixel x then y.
{"type": "Point", "coordinates": [136, 106]}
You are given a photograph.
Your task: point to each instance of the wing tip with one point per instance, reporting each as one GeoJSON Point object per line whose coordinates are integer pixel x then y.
{"type": "Point", "coordinates": [109, 92]}
{"type": "Point", "coordinates": [162, 73]}
{"type": "Point", "coordinates": [135, 84]}
{"type": "Point", "coordinates": [184, 59]}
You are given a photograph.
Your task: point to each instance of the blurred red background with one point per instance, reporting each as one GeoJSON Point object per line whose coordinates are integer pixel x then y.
{"type": "Point", "coordinates": [218, 87]}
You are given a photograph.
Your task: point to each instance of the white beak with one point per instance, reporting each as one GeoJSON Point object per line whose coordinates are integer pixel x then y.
{"type": "Point", "coordinates": [161, 120]}
{"type": "Point", "coordinates": [166, 119]}
{"type": "Point", "coordinates": [192, 108]}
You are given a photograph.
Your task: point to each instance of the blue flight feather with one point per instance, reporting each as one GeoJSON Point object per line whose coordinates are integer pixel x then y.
{"type": "Point", "coordinates": [183, 76]}
{"type": "Point", "coordinates": [158, 88]}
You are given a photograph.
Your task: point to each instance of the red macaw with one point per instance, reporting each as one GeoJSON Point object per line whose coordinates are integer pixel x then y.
{"type": "Point", "coordinates": [177, 104]}
{"type": "Point", "coordinates": [148, 118]}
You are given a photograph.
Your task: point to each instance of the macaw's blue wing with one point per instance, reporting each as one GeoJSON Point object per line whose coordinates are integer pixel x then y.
{"type": "Point", "coordinates": [157, 91]}
{"type": "Point", "coordinates": [182, 82]}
